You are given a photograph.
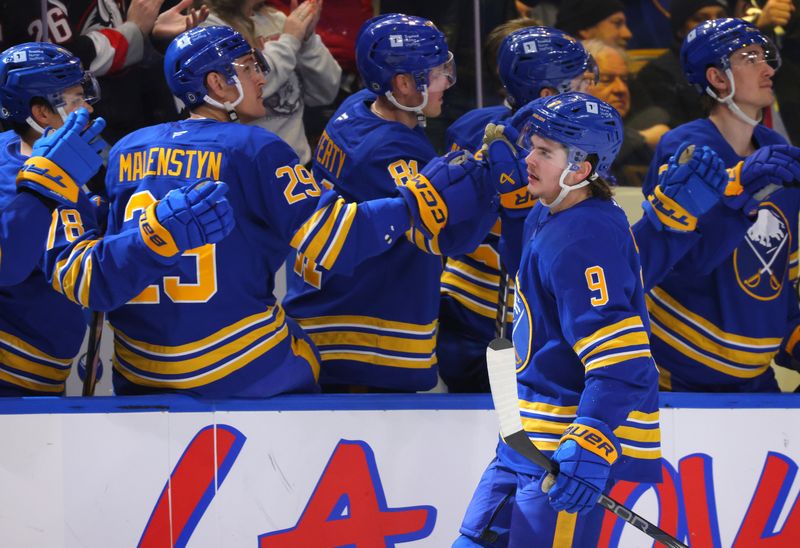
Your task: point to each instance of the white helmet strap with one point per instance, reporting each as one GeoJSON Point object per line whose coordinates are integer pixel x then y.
{"type": "Point", "coordinates": [228, 107]}
{"type": "Point", "coordinates": [565, 188]}
{"type": "Point", "coordinates": [728, 101]}
{"type": "Point", "coordinates": [39, 129]}
{"type": "Point", "coordinates": [421, 121]}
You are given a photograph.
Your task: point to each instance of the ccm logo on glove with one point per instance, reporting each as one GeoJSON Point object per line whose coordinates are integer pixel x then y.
{"type": "Point", "coordinates": [436, 214]}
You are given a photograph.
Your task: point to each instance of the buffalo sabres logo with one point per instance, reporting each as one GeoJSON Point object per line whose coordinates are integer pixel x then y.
{"type": "Point", "coordinates": [762, 260]}
{"type": "Point", "coordinates": [522, 335]}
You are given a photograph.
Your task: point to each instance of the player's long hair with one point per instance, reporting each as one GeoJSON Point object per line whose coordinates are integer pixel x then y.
{"type": "Point", "coordinates": [599, 188]}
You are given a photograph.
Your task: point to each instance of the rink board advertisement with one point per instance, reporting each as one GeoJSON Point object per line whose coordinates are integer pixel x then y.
{"type": "Point", "coordinates": [356, 471]}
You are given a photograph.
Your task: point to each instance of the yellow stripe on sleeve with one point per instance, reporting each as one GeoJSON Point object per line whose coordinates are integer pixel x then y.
{"type": "Point", "coordinates": [602, 333]}
{"type": "Point", "coordinates": [639, 416]}
{"type": "Point", "coordinates": [639, 453]}
{"type": "Point", "coordinates": [313, 249]}
{"type": "Point", "coordinates": [69, 280]}
{"type": "Point", "coordinates": [548, 409]}
{"type": "Point", "coordinates": [642, 435]}
{"type": "Point", "coordinates": [307, 227]}
{"type": "Point", "coordinates": [339, 239]}
{"type": "Point", "coordinates": [612, 359]}
{"type": "Point", "coordinates": [637, 338]}
{"type": "Point", "coordinates": [542, 426]}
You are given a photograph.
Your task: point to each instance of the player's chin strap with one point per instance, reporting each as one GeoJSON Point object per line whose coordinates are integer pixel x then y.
{"type": "Point", "coordinates": [421, 120]}
{"type": "Point", "coordinates": [728, 101]}
{"type": "Point", "coordinates": [32, 123]}
{"type": "Point", "coordinates": [228, 107]}
{"type": "Point", "coordinates": [565, 188]}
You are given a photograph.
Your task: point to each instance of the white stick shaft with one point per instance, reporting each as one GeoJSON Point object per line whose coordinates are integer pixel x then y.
{"type": "Point", "coordinates": [503, 380]}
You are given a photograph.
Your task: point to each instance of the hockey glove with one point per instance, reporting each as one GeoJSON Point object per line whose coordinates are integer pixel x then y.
{"type": "Point", "coordinates": [448, 189]}
{"type": "Point", "coordinates": [690, 184]}
{"type": "Point", "coordinates": [587, 450]}
{"type": "Point", "coordinates": [507, 169]}
{"type": "Point", "coordinates": [760, 174]}
{"type": "Point", "coordinates": [63, 161]}
{"type": "Point", "coordinates": [187, 218]}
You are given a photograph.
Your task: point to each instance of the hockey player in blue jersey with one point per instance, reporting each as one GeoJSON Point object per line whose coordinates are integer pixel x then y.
{"type": "Point", "coordinates": [580, 333]}
{"type": "Point", "coordinates": [209, 324]}
{"type": "Point", "coordinates": [377, 327]}
{"type": "Point", "coordinates": [43, 85]}
{"type": "Point", "coordinates": [532, 62]}
{"type": "Point", "coordinates": [26, 217]}
{"type": "Point", "coordinates": [730, 305]}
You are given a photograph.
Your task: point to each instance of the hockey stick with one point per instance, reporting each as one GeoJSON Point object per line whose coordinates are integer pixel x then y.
{"type": "Point", "coordinates": [500, 323]}
{"type": "Point", "coordinates": [93, 353]}
{"type": "Point", "coordinates": [503, 380]}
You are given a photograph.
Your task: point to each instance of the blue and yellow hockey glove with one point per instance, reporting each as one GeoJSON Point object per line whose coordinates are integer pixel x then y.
{"type": "Point", "coordinates": [448, 189]}
{"type": "Point", "coordinates": [64, 160]}
{"type": "Point", "coordinates": [585, 454]}
{"type": "Point", "coordinates": [507, 169]}
{"type": "Point", "coordinates": [753, 179]}
{"type": "Point", "coordinates": [187, 218]}
{"type": "Point", "coordinates": [690, 184]}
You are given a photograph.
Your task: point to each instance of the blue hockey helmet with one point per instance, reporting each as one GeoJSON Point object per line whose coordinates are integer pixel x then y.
{"type": "Point", "coordinates": [584, 124]}
{"type": "Point", "coordinates": [534, 58]}
{"type": "Point", "coordinates": [711, 44]}
{"type": "Point", "coordinates": [198, 51]}
{"type": "Point", "coordinates": [397, 44]}
{"type": "Point", "coordinates": [39, 69]}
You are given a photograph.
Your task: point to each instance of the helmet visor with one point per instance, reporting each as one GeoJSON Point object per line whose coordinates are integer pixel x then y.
{"type": "Point", "coordinates": [753, 55]}
{"type": "Point", "coordinates": [87, 91]}
{"type": "Point", "coordinates": [251, 64]}
{"type": "Point", "coordinates": [534, 128]}
{"type": "Point", "coordinates": [443, 76]}
{"type": "Point", "coordinates": [584, 81]}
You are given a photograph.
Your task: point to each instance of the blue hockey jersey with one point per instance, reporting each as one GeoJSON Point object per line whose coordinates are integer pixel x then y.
{"type": "Point", "coordinates": [721, 313]}
{"type": "Point", "coordinates": [209, 325]}
{"type": "Point", "coordinates": [40, 331]}
{"type": "Point", "coordinates": [581, 336]}
{"type": "Point", "coordinates": [377, 327]}
{"type": "Point", "coordinates": [24, 223]}
{"type": "Point", "coordinates": [472, 279]}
